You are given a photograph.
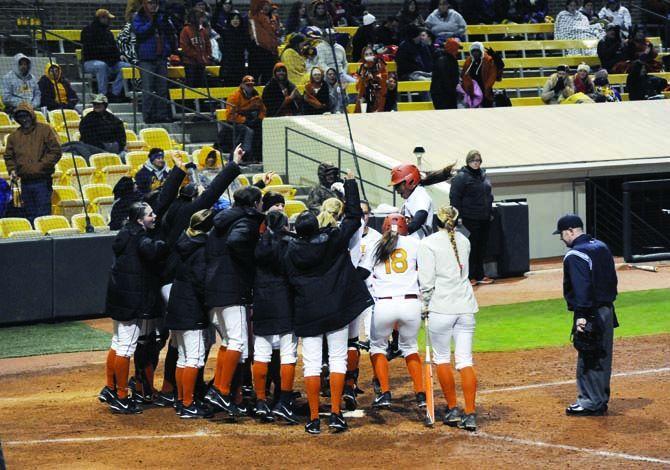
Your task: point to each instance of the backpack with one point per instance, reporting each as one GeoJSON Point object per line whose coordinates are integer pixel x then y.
{"type": "Point", "coordinates": [498, 61]}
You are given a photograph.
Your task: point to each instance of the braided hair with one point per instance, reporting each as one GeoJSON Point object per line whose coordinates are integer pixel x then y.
{"type": "Point", "coordinates": [447, 217]}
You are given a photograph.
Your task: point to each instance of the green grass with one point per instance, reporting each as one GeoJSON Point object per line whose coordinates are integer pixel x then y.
{"type": "Point", "coordinates": [547, 323]}
{"type": "Point", "coordinates": [41, 339]}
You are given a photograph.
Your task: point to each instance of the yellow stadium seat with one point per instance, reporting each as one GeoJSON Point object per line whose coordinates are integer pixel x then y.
{"type": "Point", "coordinates": [25, 235]}
{"type": "Point", "coordinates": [112, 174]}
{"type": "Point", "coordinates": [286, 190]}
{"type": "Point", "coordinates": [66, 201]}
{"type": "Point", "coordinates": [100, 197]}
{"type": "Point", "coordinates": [157, 137]}
{"type": "Point", "coordinates": [97, 221]}
{"type": "Point", "coordinates": [40, 117]}
{"type": "Point", "coordinates": [69, 175]}
{"type": "Point", "coordinates": [59, 122]}
{"type": "Point", "coordinates": [47, 223]}
{"type": "Point", "coordinates": [132, 142]}
{"type": "Point", "coordinates": [294, 207]}
{"type": "Point", "coordinates": [4, 119]}
{"type": "Point", "coordinates": [101, 160]}
{"type": "Point", "coordinates": [63, 232]}
{"type": "Point", "coordinates": [276, 179]}
{"type": "Point", "coordinates": [136, 159]}
{"type": "Point", "coordinates": [13, 224]}
{"type": "Point", "coordinates": [243, 180]}
{"type": "Point", "coordinates": [3, 166]}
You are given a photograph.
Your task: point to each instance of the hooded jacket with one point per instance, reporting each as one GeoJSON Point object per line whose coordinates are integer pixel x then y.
{"type": "Point", "coordinates": [98, 43]}
{"type": "Point", "coordinates": [445, 78]}
{"type": "Point", "coordinates": [322, 191]}
{"type": "Point", "coordinates": [17, 88]}
{"type": "Point", "coordinates": [371, 85]}
{"type": "Point", "coordinates": [230, 257]}
{"type": "Point", "coordinates": [56, 91]}
{"type": "Point", "coordinates": [133, 290]}
{"type": "Point", "coordinates": [471, 194]}
{"type": "Point", "coordinates": [413, 57]}
{"type": "Point", "coordinates": [264, 29]}
{"type": "Point", "coordinates": [320, 268]}
{"type": "Point", "coordinates": [124, 197]}
{"type": "Point", "coordinates": [486, 70]}
{"type": "Point", "coordinates": [234, 44]}
{"type": "Point", "coordinates": [316, 102]}
{"type": "Point", "coordinates": [550, 96]}
{"type": "Point", "coordinates": [277, 95]}
{"type": "Point", "coordinates": [33, 152]}
{"type": "Point", "coordinates": [450, 25]}
{"type": "Point", "coordinates": [100, 128]}
{"type": "Point", "coordinates": [295, 65]}
{"type": "Point", "coordinates": [242, 107]}
{"type": "Point", "coordinates": [150, 177]}
{"type": "Point", "coordinates": [186, 307]}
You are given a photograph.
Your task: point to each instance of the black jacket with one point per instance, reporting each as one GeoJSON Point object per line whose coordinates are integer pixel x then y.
{"type": "Point", "coordinates": [471, 194]}
{"type": "Point", "coordinates": [133, 290]}
{"type": "Point", "coordinates": [121, 208]}
{"type": "Point", "coordinates": [446, 77]}
{"type": "Point", "coordinates": [99, 128]}
{"type": "Point", "coordinates": [329, 293]}
{"type": "Point", "coordinates": [48, 94]}
{"type": "Point", "coordinates": [179, 214]}
{"type": "Point", "coordinates": [98, 43]}
{"type": "Point", "coordinates": [186, 307]}
{"type": "Point", "coordinates": [230, 257]}
{"type": "Point", "coordinates": [273, 98]}
{"type": "Point", "coordinates": [413, 57]}
{"type": "Point", "coordinates": [234, 43]}
{"type": "Point", "coordinates": [364, 36]}
{"type": "Point", "coordinates": [273, 297]}
{"type": "Point", "coordinates": [610, 52]}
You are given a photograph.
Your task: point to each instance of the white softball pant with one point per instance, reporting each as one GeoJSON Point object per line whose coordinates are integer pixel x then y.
{"type": "Point", "coordinates": [191, 347]}
{"type": "Point", "coordinates": [367, 321]}
{"type": "Point", "coordinates": [442, 328]}
{"type": "Point", "coordinates": [288, 348]}
{"type": "Point", "coordinates": [127, 334]}
{"type": "Point", "coordinates": [407, 314]}
{"type": "Point", "coordinates": [231, 324]}
{"type": "Point", "coordinates": [337, 352]}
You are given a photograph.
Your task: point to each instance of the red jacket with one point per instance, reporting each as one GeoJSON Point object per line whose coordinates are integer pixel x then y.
{"type": "Point", "coordinates": [195, 45]}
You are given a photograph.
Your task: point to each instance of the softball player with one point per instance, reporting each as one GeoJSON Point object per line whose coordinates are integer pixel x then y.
{"type": "Point", "coordinates": [418, 206]}
{"type": "Point", "coordinates": [396, 288]}
{"type": "Point", "coordinates": [450, 301]}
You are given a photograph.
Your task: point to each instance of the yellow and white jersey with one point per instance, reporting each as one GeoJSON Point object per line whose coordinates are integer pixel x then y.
{"type": "Point", "coordinates": [419, 200]}
{"type": "Point", "coordinates": [398, 276]}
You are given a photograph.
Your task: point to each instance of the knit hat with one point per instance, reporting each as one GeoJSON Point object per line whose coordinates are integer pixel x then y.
{"type": "Point", "coordinates": [155, 153]}
{"type": "Point", "coordinates": [99, 99]}
{"type": "Point", "coordinates": [471, 156]}
{"type": "Point", "coordinates": [368, 19]}
{"type": "Point", "coordinates": [477, 45]}
{"type": "Point", "coordinates": [601, 78]}
{"type": "Point", "coordinates": [583, 67]}
{"type": "Point", "coordinates": [452, 46]}
{"type": "Point", "coordinates": [270, 199]}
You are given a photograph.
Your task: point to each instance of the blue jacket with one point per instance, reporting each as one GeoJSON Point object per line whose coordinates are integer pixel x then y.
{"type": "Point", "coordinates": [147, 32]}
{"type": "Point", "coordinates": [589, 276]}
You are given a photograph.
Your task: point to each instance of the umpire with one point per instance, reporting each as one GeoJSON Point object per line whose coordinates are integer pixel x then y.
{"type": "Point", "coordinates": [589, 288]}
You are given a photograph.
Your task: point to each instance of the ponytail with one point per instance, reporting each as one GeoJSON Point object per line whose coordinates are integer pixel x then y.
{"type": "Point", "coordinates": [331, 210]}
{"type": "Point", "coordinates": [386, 246]}
{"type": "Point", "coordinates": [447, 217]}
{"type": "Point", "coordinates": [438, 176]}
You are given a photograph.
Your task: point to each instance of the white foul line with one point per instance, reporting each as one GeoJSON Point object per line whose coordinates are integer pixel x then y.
{"type": "Point", "coordinates": [82, 440]}
{"type": "Point", "coordinates": [585, 450]}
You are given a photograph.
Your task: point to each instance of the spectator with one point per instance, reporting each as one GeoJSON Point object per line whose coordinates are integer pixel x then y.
{"type": "Point", "coordinates": [611, 51]}
{"type": "Point", "coordinates": [153, 48]}
{"type": "Point", "coordinates": [371, 84]}
{"type": "Point", "coordinates": [196, 50]}
{"type": "Point", "coordinates": [589, 11]}
{"type": "Point", "coordinates": [558, 87]}
{"type": "Point", "coordinates": [55, 91]}
{"type": "Point", "coordinates": [293, 59]}
{"type": "Point", "coordinates": [328, 174]}
{"type": "Point", "coordinates": [126, 41]}
{"type": "Point", "coordinates": [211, 168]}
{"type": "Point", "coordinates": [639, 48]}
{"type": "Point", "coordinates": [408, 17]}
{"type": "Point", "coordinates": [414, 58]}
{"type": "Point", "coordinates": [297, 18]}
{"type": "Point", "coordinates": [582, 80]}
{"type": "Point", "coordinates": [471, 195]}
{"type": "Point", "coordinates": [101, 55]}
{"type": "Point", "coordinates": [317, 96]}
{"type": "Point", "coordinates": [234, 44]}
{"type": "Point", "coordinates": [214, 38]}
{"type": "Point", "coordinates": [338, 99]}
{"type": "Point", "coordinates": [20, 85]}
{"type": "Point", "coordinates": [445, 22]}
{"type": "Point", "coordinates": [446, 77]}
{"type": "Point", "coordinates": [366, 35]}
{"type": "Point", "coordinates": [642, 86]}
{"type": "Point", "coordinates": [31, 154]}
{"type": "Point", "coordinates": [246, 112]}
{"type": "Point", "coordinates": [604, 93]}
{"type": "Point", "coordinates": [280, 96]}
{"type": "Point", "coordinates": [325, 58]}
{"type": "Point", "coordinates": [387, 33]}
{"type": "Point", "coordinates": [223, 13]}
{"type": "Point", "coordinates": [318, 15]}
{"type": "Point", "coordinates": [101, 129]}
{"type": "Point", "coordinates": [616, 14]}
{"type": "Point", "coordinates": [354, 12]}
{"type": "Point", "coordinates": [153, 173]}
{"type": "Point", "coordinates": [125, 195]}
{"type": "Point", "coordinates": [264, 40]}
{"type": "Point", "coordinates": [571, 24]}
{"type": "Point", "coordinates": [391, 103]}
{"type": "Point", "coordinates": [481, 68]}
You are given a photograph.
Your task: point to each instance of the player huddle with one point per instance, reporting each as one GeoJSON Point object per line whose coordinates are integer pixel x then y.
{"type": "Point", "coordinates": [243, 274]}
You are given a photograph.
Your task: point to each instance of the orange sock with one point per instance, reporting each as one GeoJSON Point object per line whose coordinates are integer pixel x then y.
{"type": "Point", "coordinates": [260, 374]}
{"type": "Point", "coordinates": [414, 367]}
{"type": "Point", "coordinates": [219, 366]}
{"type": "Point", "coordinates": [381, 368]}
{"type": "Point", "coordinates": [121, 369]}
{"type": "Point", "coordinates": [336, 389]}
{"type": "Point", "coordinates": [287, 377]}
{"type": "Point", "coordinates": [179, 377]}
{"type": "Point", "coordinates": [446, 377]}
{"type": "Point", "coordinates": [469, 384]}
{"type": "Point", "coordinates": [230, 360]}
{"type": "Point", "coordinates": [313, 387]}
{"type": "Point", "coordinates": [109, 369]}
{"type": "Point", "coordinates": [189, 376]}
{"type": "Point", "coordinates": [353, 357]}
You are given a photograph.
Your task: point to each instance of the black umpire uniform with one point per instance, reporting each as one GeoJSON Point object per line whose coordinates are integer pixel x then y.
{"type": "Point", "coordinates": [590, 288]}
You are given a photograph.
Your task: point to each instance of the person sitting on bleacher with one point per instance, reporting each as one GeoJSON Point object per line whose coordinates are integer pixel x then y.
{"type": "Point", "coordinates": [20, 85]}
{"type": "Point", "coordinates": [153, 173]}
{"type": "Point", "coordinates": [572, 25]}
{"type": "Point", "coordinates": [611, 50]}
{"type": "Point", "coordinates": [446, 22]}
{"type": "Point", "coordinates": [293, 59]}
{"type": "Point", "coordinates": [325, 58]}
{"type": "Point", "coordinates": [639, 48]}
{"type": "Point", "coordinates": [616, 14]}
{"type": "Point", "coordinates": [56, 91]}
{"type": "Point", "coordinates": [408, 16]}
{"type": "Point", "coordinates": [414, 58]}
{"type": "Point", "coordinates": [582, 80]}
{"type": "Point", "coordinates": [558, 87]}
{"type": "Point", "coordinates": [246, 112]}
{"type": "Point", "coordinates": [280, 96]}
{"type": "Point", "coordinates": [235, 41]}
{"type": "Point", "coordinates": [365, 35]}
{"type": "Point", "coordinates": [211, 168]}
{"type": "Point", "coordinates": [391, 103]}
{"type": "Point", "coordinates": [604, 93]}
{"type": "Point", "coordinates": [318, 15]}
{"type": "Point", "coordinates": [338, 99]}
{"type": "Point", "coordinates": [101, 55]}
{"type": "Point", "coordinates": [264, 29]}
{"type": "Point", "coordinates": [481, 68]}
{"type": "Point", "coordinates": [102, 130]}
{"type": "Point", "coordinates": [316, 99]}
{"type": "Point", "coordinates": [642, 86]}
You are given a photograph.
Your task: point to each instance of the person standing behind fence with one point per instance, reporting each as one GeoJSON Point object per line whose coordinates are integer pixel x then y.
{"type": "Point", "coordinates": [264, 29]}
{"type": "Point", "coordinates": [196, 49]}
{"type": "Point", "coordinates": [19, 85]}
{"type": "Point", "coordinates": [589, 289]}
{"type": "Point", "coordinates": [446, 76]}
{"type": "Point", "coordinates": [31, 154]}
{"type": "Point", "coordinates": [472, 196]}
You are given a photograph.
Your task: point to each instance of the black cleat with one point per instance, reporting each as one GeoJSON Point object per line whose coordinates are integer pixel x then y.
{"type": "Point", "coordinates": [195, 411]}
{"type": "Point", "coordinates": [124, 406]}
{"type": "Point", "coordinates": [383, 400]}
{"type": "Point", "coordinates": [313, 426]}
{"type": "Point", "coordinates": [285, 412]}
{"type": "Point", "coordinates": [263, 411]}
{"type": "Point", "coordinates": [349, 398]}
{"type": "Point", "coordinates": [364, 345]}
{"type": "Point", "coordinates": [337, 422]}
{"type": "Point", "coordinates": [468, 422]}
{"type": "Point", "coordinates": [452, 417]}
{"type": "Point", "coordinates": [178, 407]}
{"type": "Point", "coordinates": [106, 395]}
{"type": "Point", "coordinates": [420, 399]}
{"type": "Point", "coordinates": [165, 400]}
{"type": "Point", "coordinates": [578, 410]}
{"type": "Point", "coordinates": [223, 403]}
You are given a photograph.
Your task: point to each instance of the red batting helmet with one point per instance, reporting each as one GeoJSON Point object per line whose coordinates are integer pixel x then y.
{"type": "Point", "coordinates": [408, 173]}
{"type": "Point", "coordinates": [397, 220]}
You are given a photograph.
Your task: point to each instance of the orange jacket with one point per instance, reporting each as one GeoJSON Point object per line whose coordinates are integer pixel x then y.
{"type": "Point", "coordinates": [489, 73]}
{"type": "Point", "coordinates": [264, 30]}
{"type": "Point", "coordinates": [240, 107]}
{"type": "Point", "coordinates": [375, 76]}
{"type": "Point", "coordinates": [196, 48]}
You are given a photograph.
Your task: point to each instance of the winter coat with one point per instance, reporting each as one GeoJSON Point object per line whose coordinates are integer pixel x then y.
{"type": "Point", "coordinates": [371, 86]}
{"type": "Point", "coordinates": [471, 194]}
{"type": "Point", "coordinates": [186, 307]}
{"type": "Point", "coordinates": [195, 46]}
{"type": "Point", "coordinates": [121, 208]}
{"type": "Point", "coordinates": [264, 29]}
{"type": "Point", "coordinates": [230, 257]}
{"type": "Point", "coordinates": [413, 57]}
{"type": "Point", "coordinates": [149, 178]}
{"type": "Point", "coordinates": [66, 97]}
{"type": "Point", "coordinates": [451, 25]}
{"type": "Point", "coordinates": [32, 153]}
{"type": "Point", "coordinates": [295, 65]}
{"type": "Point", "coordinates": [329, 293]}
{"type": "Point", "coordinates": [549, 96]}
{"type": "Point", "coordinates": [234, 44]}
{"type": "Point", "coordinates": [133, 290]}
{"type": "Point", "coordinates": [325, 59]}
{"type": "Point", "coordinates": [316, 102]}
{"type": "Point", "coordinates": [446, 78]}
{"type": "Point", "coordinates": [242, 108]}
{"type": "Point", "coordinates": [153, 36]}
{"type": "Point", "coordinates": [273, 297]}
{"type": "Point", "coordinates": [277, 96]}
{"type": "Point", "coordinates": [611, 52]}
{"type": "Point", "coordinates": [486, 71]}
{"type": "Point", "coordinates": [17, 88]}
{"type": "Point", "coordinates": [100, 128]}
{"type": "Point", "coordinates": [98, 43]}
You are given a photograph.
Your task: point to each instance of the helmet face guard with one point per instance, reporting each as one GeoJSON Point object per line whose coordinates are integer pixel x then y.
{"type": "Point", "coordinates": [395, 222]}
